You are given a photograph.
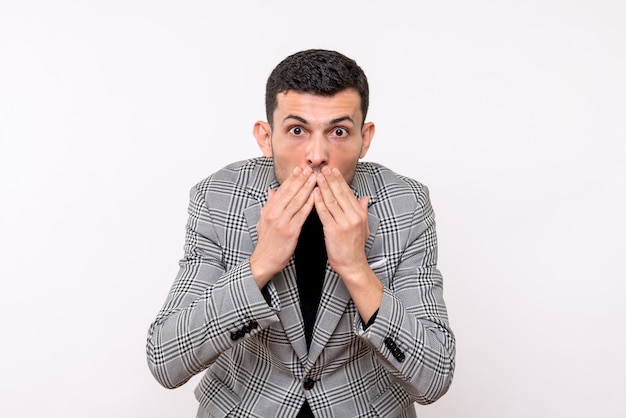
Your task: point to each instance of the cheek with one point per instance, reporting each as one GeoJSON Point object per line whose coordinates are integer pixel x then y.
{"type": "Point", "coordinates": [346, 163]}
{"type": "Point", "coordinates": [347, 169]}
{"type": "Point", "coordinates": [282, 167]}
{"type": "Point", "coordinates": [279, 171]}
{"type": "Point", "coordinates": [289, 156]}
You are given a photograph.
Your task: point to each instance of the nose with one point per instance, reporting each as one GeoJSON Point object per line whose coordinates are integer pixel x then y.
{"type": "Point", "coordinates": [317, 152]}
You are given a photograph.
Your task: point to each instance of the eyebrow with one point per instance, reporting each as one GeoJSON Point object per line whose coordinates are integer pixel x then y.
{"type": "Point", "coordinates": [332, 122]}
{"type": "Point", "coordinates": [296, 117]}
{"type": "Point", "coordinates": [342, 119]}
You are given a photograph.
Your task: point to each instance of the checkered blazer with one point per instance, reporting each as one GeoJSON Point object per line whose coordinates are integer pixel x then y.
{"type": "Point", "coordinates": [254, 350]}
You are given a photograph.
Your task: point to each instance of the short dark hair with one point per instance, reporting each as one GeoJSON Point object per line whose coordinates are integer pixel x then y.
{"type": "Point", "coordinates": [316, 71]}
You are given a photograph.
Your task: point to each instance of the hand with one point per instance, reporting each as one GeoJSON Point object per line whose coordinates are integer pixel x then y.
{"type": "Point", "coordinates": [345, 221]}
{"type": "Point", "coordinates": [280, 224]}
{"type": "Point", "coordinates": [346, 231]}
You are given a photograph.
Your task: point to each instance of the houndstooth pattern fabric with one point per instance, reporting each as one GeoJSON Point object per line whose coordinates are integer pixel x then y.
{"type": "Point", "coordinates": [254, 353]}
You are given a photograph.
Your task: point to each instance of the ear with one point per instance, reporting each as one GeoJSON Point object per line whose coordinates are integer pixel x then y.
{"type": "Point", "coordinates": [263, 134]}
{"type": "Point", "coordinates": [367, 133]}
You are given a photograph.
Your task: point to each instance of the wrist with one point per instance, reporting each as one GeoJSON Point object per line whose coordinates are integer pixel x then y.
{"type": "Point", "coordinates": [366, 291]}
{"type": "Point", "coordinates": [261, 274]}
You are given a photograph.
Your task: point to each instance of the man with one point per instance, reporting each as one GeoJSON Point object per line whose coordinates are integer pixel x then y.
{"type": "Point", "coordinates": [309, 285]}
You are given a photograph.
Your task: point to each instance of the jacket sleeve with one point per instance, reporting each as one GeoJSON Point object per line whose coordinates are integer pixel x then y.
{"type": "Point", "coordinates": [209, 309]}
{"type": "Point", "coordinates": [411, 335]}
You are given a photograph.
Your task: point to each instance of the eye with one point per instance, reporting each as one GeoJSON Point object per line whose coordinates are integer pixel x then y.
{"type": "Point", "coordinates": [340, 132]}
{"type": "Point", "coordinates": [296, 130]}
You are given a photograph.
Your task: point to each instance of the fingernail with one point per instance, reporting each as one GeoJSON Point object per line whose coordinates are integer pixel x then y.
{"type": "Point", "coordinates": [296, 171]}
{"type": "Point", "coordinates": [306, 171]}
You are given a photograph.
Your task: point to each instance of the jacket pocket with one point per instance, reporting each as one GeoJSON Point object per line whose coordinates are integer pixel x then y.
{"type": "Point", "coordinates": [393, 402]}
{"type": "Point", "coordinates": [217, 399]}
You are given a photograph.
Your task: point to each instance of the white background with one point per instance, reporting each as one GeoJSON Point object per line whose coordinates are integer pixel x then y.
{"type": "Point", "coordinates": [513, 113]}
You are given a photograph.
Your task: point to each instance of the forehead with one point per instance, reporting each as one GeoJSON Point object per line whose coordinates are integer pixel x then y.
{"type": "Point", "coordinates": [318, 108]}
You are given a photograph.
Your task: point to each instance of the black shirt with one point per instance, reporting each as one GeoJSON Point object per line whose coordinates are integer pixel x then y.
{"type": "Point", "coordinates": [310, 258]}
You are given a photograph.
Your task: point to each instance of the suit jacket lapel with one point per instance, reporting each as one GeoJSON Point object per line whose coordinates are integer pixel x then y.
{"type": "Point", "coordinates": [290, 314]}
{"type": "Point", "coordinates": [284, 283]}
{"type": "Point", "coordinates": [334, 302]}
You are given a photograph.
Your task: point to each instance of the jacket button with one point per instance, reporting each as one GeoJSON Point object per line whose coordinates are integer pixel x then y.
{"type": "Point", "coordinates": [250, 326]}
{"type": "Point", "coordinates": [391, 345]}
{"type": "Point", "coordinates": [395, 350]}
{"type": "Point", "coordinates": [309, 383]}
{"type": "Point", "coordinates": [399, 355]}
{"type": "Point", "coordinates": [237, 334]}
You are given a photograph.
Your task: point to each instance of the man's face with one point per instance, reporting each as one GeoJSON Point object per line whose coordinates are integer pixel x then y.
{"type": "Point", "coordinates": [315, 131]}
